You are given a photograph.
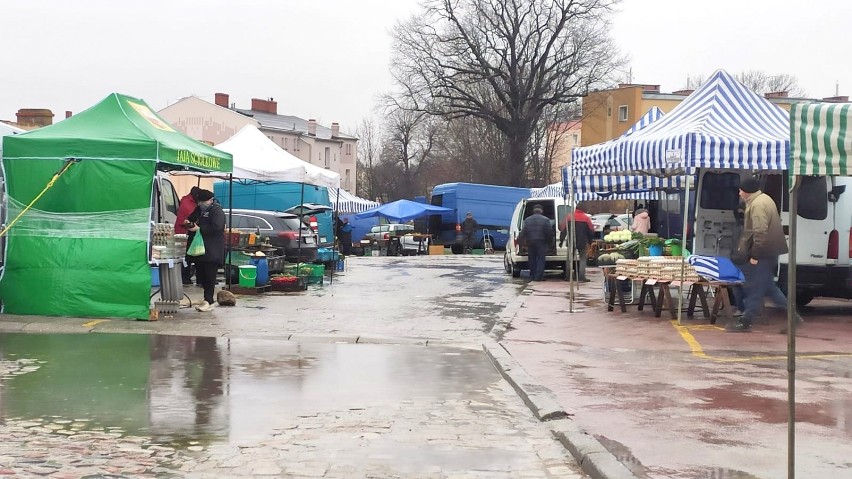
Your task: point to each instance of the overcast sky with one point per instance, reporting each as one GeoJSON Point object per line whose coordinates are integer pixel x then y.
{"type": "Point", "coordinates": [328, 59]}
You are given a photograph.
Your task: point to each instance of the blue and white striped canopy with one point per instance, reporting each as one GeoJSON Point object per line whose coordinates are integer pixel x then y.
{"type": "Point", "coordinates": [585, 158]}
{"type": "Point", "coordinates": [615, 187]}
{"type": "Point", "coordinates": [349, 203]}
{"type": "Point", "coordinates": [722, 124]}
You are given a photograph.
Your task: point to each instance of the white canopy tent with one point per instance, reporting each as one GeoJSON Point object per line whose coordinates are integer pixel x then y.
{"type": "Point", "coordinates": [258, 158]}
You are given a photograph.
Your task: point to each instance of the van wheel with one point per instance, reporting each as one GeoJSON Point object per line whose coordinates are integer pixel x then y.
{"type": "Point", "coordinates": [804, 297]}
{"type": "Point", "coordinates": [516, 270]}
{"type": "Point", "coordinates": [507, 266]}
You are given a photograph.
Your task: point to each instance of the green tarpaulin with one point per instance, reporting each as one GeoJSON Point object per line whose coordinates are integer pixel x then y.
{"type": "Point", "coordinates": [82, 250]}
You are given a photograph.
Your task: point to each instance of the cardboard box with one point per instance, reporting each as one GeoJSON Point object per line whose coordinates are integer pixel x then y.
{"type": "Point", "coordinates": [436, 249]}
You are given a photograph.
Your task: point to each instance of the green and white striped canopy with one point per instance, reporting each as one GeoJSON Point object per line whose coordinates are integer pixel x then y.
{"type": "Point", "coordinates": [821, 139]}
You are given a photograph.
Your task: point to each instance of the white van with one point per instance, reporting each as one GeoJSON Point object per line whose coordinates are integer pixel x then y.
{"type": "Point", "coordinates": [516, 258]}
{"type": "Point", "coordinates": [823, 228]}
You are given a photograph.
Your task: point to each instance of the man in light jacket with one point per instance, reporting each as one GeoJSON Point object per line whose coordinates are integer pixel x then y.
{"type": "Point", "coordinates": [762, 241]}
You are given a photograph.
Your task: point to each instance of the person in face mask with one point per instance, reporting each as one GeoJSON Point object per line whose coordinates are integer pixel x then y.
{"type": "Point", "coordinates": [211, 227]}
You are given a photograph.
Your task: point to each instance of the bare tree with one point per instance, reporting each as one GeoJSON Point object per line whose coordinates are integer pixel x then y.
{"type": "Point", "coordinates": [369, 149]}
{"type": "Point", "coordinates": [503, 61]}
{"type": "Point", "coordinates": [408, 146]}
{"type": "Point", "coordinates": [760, 82]}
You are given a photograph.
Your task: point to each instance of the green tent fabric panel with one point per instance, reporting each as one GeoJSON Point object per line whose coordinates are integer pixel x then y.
{"type": "Point", "coordinates": [821, 139]}
{"type": "Point", "coordinates": [101, 377]}
{"type": "Point", "coordinates": [119, 127]}
{"type": "Point", "coordinates": [61, 274]}
{"type": "Point", "coordinates": [86, 186]}
{"type": "Point", "coordinates": [87, 278]}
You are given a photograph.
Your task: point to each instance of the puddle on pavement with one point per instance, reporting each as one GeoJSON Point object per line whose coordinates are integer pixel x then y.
{"type": "Point", "coordinates": [180, 388]}
{"type": "Point", "coordinates": [626, 457]}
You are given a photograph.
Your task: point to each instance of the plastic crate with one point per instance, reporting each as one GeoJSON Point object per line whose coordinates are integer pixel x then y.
{"type": "Point", "coordinates": [326, 255]}
{"type": "Point", "coordinates": [238, 258]}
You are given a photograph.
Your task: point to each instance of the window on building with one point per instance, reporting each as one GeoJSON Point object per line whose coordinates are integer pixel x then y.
{"type": "Point", "coordinates": [622, 113]}
{"type": "Point", "coordinates": [327, 156]}
{"type": "Point", "coordinates": [346, 185]}
{"type": "Point", "coordinates": [286, 143]}
{"type": "Point", "coordinates": [608, 111]}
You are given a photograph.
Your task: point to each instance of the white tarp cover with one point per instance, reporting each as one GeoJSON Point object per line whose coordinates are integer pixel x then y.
{"type": "Point", "coordinates": [258, 158]}
{"type": "Point", "coordinates": [349, 203]}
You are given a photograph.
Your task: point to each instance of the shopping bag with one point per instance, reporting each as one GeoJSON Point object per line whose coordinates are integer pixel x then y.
{"type": "Point", "coordinates": [196, 248]}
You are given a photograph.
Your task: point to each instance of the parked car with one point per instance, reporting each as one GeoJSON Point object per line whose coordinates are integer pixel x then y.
{"type": "Point", "coordinates": [606, 222]}
{"type": "Point", "coordinates": [381, 234]}
{"type": "Point", "coordinates": [282, 229]}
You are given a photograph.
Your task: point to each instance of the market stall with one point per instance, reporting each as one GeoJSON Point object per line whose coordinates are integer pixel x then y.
{"type": "Point", "coordinates": [258, 160]}
{"type": "Point", "coordinates": [721, 125]}
{"type": "Point", "coordinates": [821, 144]}
{"type": "Point", "coordinates": [402, 211]}
{"type": "Point", "coordinates": [80, 196]}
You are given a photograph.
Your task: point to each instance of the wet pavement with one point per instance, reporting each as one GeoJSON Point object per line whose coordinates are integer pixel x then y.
{"type": "Point", "coordinates": [380, 373]}
{"type": "Point", "coordinates": [345, 380]}
{"type": "Point", "coordinates": [690, 400]}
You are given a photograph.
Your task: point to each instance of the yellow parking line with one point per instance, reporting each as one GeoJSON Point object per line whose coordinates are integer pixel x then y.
{"type": "Point", "coordinates": [698, 351]}
{"type": "Point", "coordinates": [92, 323]}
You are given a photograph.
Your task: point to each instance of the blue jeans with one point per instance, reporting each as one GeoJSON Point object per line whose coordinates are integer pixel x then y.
{"type": "Point", "coordinates": [537, 252]}
{"type": "Point", "coordinates": [760, 284]}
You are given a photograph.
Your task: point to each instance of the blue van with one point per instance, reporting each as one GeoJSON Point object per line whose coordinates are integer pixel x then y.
{"type": "Point", "coordinates": [492, 207]}
{"type": "Point", "coordinates": [279, 196]}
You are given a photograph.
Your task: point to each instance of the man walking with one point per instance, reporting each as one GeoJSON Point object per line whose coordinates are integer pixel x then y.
{"type": "Point", "coordinates": [762, 241]}
{"type": "Point", "coordinates": [538, 234]}
{"type": "Point", "coordinates": [583, 234]}
{"type": "Point", "coordinates": [468, 227]}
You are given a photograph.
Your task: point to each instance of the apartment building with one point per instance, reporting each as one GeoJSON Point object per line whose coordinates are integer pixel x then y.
{"type": "Point", "coordinates": [607, 114]}
{"type": "Point", "coordinates": [319, 145]}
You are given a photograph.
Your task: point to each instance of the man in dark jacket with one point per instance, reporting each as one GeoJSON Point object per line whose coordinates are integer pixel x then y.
{"type": "Point", "coordinates": [211, 226]}
{"type": "Point", "coordinates": [762, 241]}
{"type": "Point", "coordinates": [468, 227]}
{"type": "Point", "coordinates": [538, 234]}
{"type": "Point", "coordinates": [584, 231]}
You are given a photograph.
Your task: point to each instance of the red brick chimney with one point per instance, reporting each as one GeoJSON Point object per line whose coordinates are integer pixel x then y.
{"type": "Point", "coordinates": [68, 113]}
{"type": "Point", "coordinates": [776, 94]}
{"type": "Point", "coordinates": [312, 127]}
{"type": "Point", "coordinates": [34, 117]}
{"type": "Point", "coordinates": [335, 130]}
{"type": "Point", "coordinates": [266, 106]}
{"type": "Point", "coordinates": [222, 99]}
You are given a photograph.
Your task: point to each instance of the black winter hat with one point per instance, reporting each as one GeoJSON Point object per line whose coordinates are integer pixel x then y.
{"type": "Point", "coordinates": [204, 195]}
{"type": "Point", "coordinates": [749, 184]}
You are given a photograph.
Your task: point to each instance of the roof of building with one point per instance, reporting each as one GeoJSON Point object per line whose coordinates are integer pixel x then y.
{"type": "Point", "coordinates": [287, 123]}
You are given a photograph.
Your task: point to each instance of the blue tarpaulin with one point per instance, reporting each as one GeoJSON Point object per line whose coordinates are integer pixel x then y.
{"type": "Point", "coordinates": [402, 210]}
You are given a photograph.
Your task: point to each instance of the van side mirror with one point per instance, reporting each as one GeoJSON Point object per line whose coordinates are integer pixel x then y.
{"type": "Point", "coordinates": [835, 193]}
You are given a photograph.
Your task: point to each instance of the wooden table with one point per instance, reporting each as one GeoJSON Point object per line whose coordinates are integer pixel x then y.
{"type": "Point", "coordinates": [657, 294]}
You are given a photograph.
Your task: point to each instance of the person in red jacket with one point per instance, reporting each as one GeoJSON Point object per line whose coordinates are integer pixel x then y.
{"type": "Point", "coordinates": [583, 234]}
{"type": "Point", "coordinates": [186, 216]}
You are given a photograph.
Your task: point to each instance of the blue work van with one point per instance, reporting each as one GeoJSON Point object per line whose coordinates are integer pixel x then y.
{"type": "Point", "coordinates": [279, 196]}
{"type": "Point", "coordinates": [492, 207]}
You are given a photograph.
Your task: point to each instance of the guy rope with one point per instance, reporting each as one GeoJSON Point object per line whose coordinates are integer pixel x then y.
{"type": "Point", "coordinates": [68, 163]}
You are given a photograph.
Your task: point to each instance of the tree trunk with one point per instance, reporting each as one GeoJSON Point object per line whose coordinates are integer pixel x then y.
{"type": "Point", "coordinates": [517, 159]}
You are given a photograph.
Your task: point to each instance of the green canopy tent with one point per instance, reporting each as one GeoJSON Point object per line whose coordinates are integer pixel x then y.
{"type": "Point", "coordinates": [82, 248]}
{"type": "Point", "coordinates": [820, 145]}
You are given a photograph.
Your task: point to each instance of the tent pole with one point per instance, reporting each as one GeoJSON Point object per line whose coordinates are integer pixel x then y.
{"type": "Point", "coordinates": [572, 241]}
{"type": "Point", "coordinates": [337, 238]}
{"type": "Point", "coordinates": [228, 270]}
{"type": "Point", "coordinates": [683, 247]}
{"type": "Point", "coordinates": [301, 223]}
{"type": "Point", "coordinates": [791, 330]}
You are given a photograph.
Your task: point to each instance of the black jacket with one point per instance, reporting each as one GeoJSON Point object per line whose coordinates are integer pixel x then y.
{"type": "Point", "coordinates": [212, 228]}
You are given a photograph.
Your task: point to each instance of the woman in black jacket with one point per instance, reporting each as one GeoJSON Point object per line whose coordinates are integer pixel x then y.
{"type": "Point", "coordinates": [211, 225]}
